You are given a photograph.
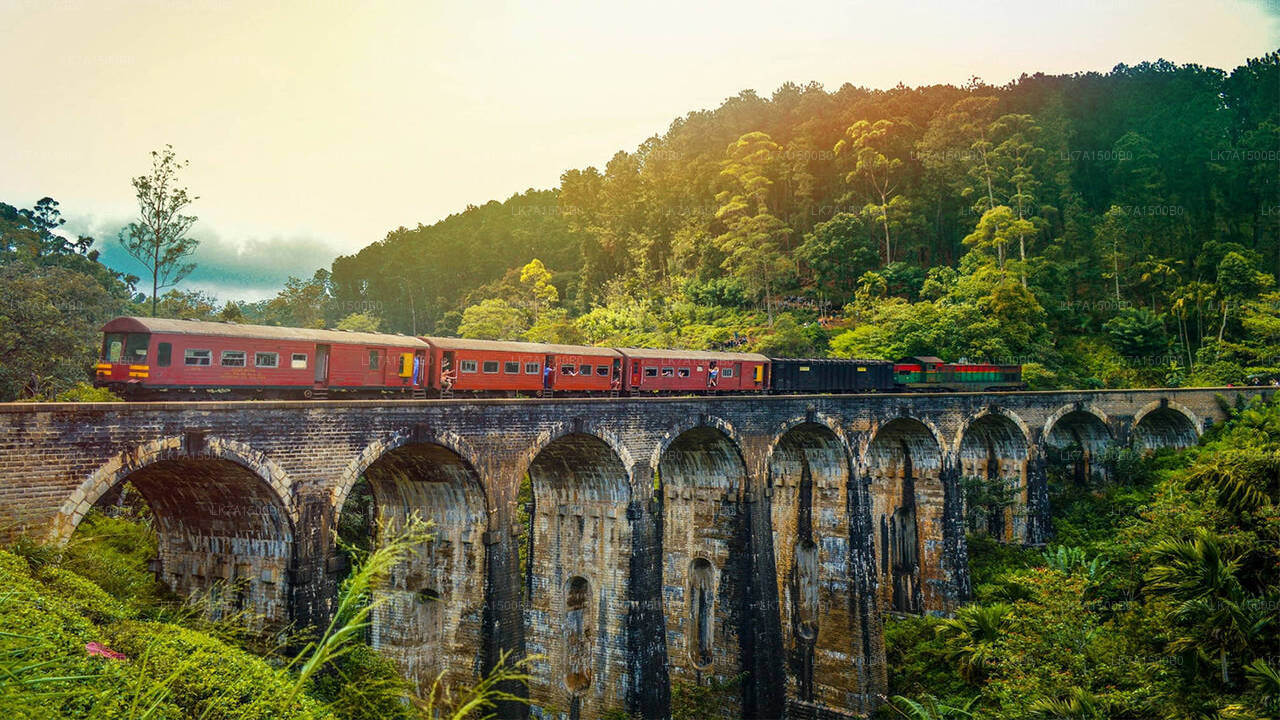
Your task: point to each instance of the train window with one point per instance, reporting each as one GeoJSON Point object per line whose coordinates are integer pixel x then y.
{"type": "Point", "coordinates": [197, 357]}
{"type": "Point", "coordinates": [299, 361]}
{"type": "Point", "coordinates": [532, 368]}
{"type": "Point", "coordinates": [266, 359]}
{"type": "Point", "coordinates": [668, 372]}
{"type": "Point", "coordinates": [584, 370]}
{"type": "Point", "coordinates": [602, 370]}
{"type": "Point", "coordinates": [726, 373]}
{"type": "Point", "coordinates": [651, 372]}
{"type": "Point", "coordinates": [683, 372]}
{"type": "Point", "coordinates": [511, 368]}
{"type": "Point", "coordinates": [232, 358]}
{"type": "Point", "coordinates": [491, 366]}
{"type": "Point", "coordinates": [567, 370]}
{"type": "Point", "coordinates": [164, 354]}
{"type": "Point", "coordinates": [468, 365]}
{"type": "Point", "coordinates": [135, 348]}
{"type": "Point", "coordinates": [115, 348]}
{"type": "Point", "coordinates": [373, 359]}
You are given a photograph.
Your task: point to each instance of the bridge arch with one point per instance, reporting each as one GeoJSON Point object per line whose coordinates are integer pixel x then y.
{"type": "Point", "coordinates": [432, 615]}
{"type": "Point", "coordinates": [578, 578]}
{"type": "Point", "coordinates": [699, 473]}
{"type": "Point", "coordinates": [813, 501]}
{"type": "Point", "coordinates": [903, 458]}
{"type": "Point", "coordinates": [1076, 435]}
{"type": "Point", "coordinates": [992, 448]}
{"type": "Point", "coordinates": [223, 516]}
{"type": "Point", "coordinates": [1165, 423]}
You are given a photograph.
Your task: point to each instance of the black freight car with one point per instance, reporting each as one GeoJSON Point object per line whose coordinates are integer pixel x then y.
{"type": "Point", "coordinates": [829, 375]}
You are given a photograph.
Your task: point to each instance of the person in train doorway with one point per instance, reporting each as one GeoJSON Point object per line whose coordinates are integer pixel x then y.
{"type": "Point", "coordinates": [713, 375]}
{"type": "Point", "coordinates": [548, 376]}
{"type": "Point", "coordinates": [417, 369]}
{"type": "Point", "coordinates": [447, 375]}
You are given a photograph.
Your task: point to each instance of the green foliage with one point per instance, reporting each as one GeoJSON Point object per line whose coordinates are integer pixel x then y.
{"type": "Point", "coordinates": [492, 319]}
{"type": "Point", "coordinates": [84, 392]}
{"type": "Point", "coordinates": [694, 701]}
{"type": "Point", "coordinates": [1158, 602]}
{"type": "Point", "coordinates": [360, 322]}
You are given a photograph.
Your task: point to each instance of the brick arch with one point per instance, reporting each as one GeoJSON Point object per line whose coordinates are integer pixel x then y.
{"type": "Point", "coordinates": [820, 534]}
{"type": "Point", "coordinates": [994, 410]}
{"type": "Point", "coordinates": [1065, 410]}
{"type": "Point", "coordinates": [581, 426]}
{"type": "Point", "coordinates": [431, 475]}
{"type": "Point", "coordinates": [995, 444]}
{"type": "Point", "coordinates": [864, 449]}
{"type": "Point", "coordinates": [1176, 437]}
{"type": "Point", "coordinates": [381, 447]}
{"type": "Point", "coordinates": [581, 527]}
{"type": "Point", "coordinates": [822, 419]}
{"type": "Point", "coordinates": [119, 467]}
{"type": "Point", "coordinates": [708, 421]}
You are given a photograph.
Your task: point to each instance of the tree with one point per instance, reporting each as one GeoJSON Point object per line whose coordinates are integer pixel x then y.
{"type": "Point", "coordinates": [753, 236]}
{"type": "Point", "coordinates": [1237, 280]}
{"type": "Point", "coordinates": [360, 322]}
{"type": "Point", "coordinates": [538, 293]}
{"type": "Point", "coordinates": [874, 148]}
{"type": "Point", "coordinates": [1137, 333]}
{"type": "Point", "coordinates": [302, 303]}
{"type": "Point", "coordinates": [1017, 158]}
{"type": "Point", "coordinates": [838, 252]}
{"type": "Point", "coordinates": [158, 238]}
{"type": "Point", "coordinates": [1202, 578]}
{"type": "Point", "coordinates": [492, 319]}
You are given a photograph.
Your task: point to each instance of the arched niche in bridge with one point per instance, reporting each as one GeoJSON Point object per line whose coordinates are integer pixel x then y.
{"type": "Point", "coordinates": [223, 531]}
{"type": "Point", "coordinates": [1164, 426]}
{"type": "Point", "coordinates": [993, 468]}
{"type": "Point", "coordinates": [699, 476]}
{"type": "Point", "coordinates": [1075, 441]}
{"type": "Point", "coordinates": [579, 559]}
{"type": "Point", "coordinates": [904, 463]}
{"type": "Point", "coordinates": [810, 509]}
{"type": "Point", "coordinates": [431, 618]}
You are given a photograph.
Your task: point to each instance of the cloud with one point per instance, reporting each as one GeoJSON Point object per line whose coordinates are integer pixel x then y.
{"type": "Point", "coordinates": [251, 269]}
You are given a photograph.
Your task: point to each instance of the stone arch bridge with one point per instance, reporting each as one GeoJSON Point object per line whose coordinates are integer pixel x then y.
{"type": "Point", "coordinates": [667, 540]}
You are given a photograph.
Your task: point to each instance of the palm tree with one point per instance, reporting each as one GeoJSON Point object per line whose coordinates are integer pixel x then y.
{"type": "Point", "coordinates": [929, 708]}
{"type": "Point", "coordinates": [1078, 704]}
{"type": "Point", "coordinates": [1209, 600]}
{"type": "Point", "coordinates": [970, 637]}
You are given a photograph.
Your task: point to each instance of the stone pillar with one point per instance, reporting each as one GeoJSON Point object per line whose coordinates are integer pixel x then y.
{"type": "Point", "coordinates": [955, 550]}
{"type": "Point", "coordinates": [650, 693]}
{"type": "Point", "coordinates": [1039, 526]}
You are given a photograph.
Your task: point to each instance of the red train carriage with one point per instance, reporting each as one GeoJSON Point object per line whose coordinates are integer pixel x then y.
{"type": "Point", "coordinates": [682, 372]}
{"type": "Point", "coordinates": [494, 367]}
{"type": "Point", "coordinates": [157, 357]}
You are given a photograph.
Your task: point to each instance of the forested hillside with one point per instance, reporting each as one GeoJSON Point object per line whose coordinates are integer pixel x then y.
{"type": "Point", "coordinates": [1105, 230]}
{"type": "Point", "coordinates": [1109, 229]}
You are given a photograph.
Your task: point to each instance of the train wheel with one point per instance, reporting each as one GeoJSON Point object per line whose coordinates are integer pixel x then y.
{"type": "Point", "coordinates": [307, 393]}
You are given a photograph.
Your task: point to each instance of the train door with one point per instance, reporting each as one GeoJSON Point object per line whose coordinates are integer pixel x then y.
{"type": "Point", "coordinates": [549, 372]}
{"type": "Point", "coordinates": [737, 376]}
{"type": "Point", "coordinates": [419, 368]}
{"type": "Point", "coordinates": [322, 365]}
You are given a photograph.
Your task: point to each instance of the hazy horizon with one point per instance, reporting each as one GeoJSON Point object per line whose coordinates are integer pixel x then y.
{"type": "Point", "coordinates": [312, 131]}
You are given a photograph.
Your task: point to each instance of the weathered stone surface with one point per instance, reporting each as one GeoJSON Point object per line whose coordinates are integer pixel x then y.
{"type": "Point", "coordinates": [671, 540]}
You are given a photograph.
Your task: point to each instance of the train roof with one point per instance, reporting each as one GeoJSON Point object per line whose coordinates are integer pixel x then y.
{"type": "Point", "coordinates": [923, 359]}
{"type": "Point", "coordinates": [864, 361]}
{"type": "Point", "coordinates": [265, 332]}
{"type": "Point", "coordinates": [448, 343]}
{"type": "Point", "coordinates": [658, 353]}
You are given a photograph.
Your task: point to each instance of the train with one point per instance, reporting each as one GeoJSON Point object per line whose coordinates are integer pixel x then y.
{"type": "Point", "coordinates": [171, 359]}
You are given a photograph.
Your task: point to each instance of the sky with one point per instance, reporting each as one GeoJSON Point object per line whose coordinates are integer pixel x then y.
{"type": "Point", "coordinates": [314, 128]}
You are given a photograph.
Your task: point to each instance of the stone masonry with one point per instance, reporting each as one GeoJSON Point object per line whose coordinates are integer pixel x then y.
{"type": "Point", "coordinates": [754, 541]}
